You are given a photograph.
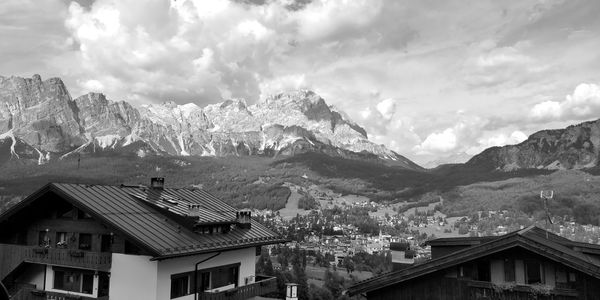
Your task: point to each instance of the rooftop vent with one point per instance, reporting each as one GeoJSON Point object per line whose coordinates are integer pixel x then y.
{"type": "Point", "coordinates": [243, 218]}
{"type": "Point", "coordinates": [157, 182]}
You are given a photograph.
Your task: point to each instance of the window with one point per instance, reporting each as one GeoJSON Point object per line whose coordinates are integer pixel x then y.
{"type": "Point", "coordinates": [61, 239]}
{"type": "Point", "coordinates": [565, 279]}
{"type": "Point", "coordinates": [179, 286]}
{"type": "Point", "coordinates": [106, 242]}
{"type": "Point", "coordinates": [103, 284]}
{"type": "Point", "coordinates": [85, 241]}
{"type": "Point", "coordinates": [224, 276]}
{"type": "Point", "coordinates": [44, 238]}
{"type": "Point", "coordinates": [206, 279]}
{"type": "Point", "coordinates": [509, 270]}
{"type": "Point", "coordinates": [483, 271]}
{"type": "Point", "coordinates": [533, 272]}
{"type": "Point", "coordinates": [73, 280]}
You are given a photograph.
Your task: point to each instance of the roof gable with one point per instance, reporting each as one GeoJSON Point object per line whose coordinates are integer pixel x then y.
{"type": "Point", "coordinates": [531, 238]}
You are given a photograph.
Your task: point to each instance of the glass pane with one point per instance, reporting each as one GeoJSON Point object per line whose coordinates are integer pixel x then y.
{"type": "Point", "coordinates": [533, 272]}
{"type": "Point", "coordinates": [509, 270]}
{"type": "Point", "coordinates": [87, 285]}
{"type": "Point", "coordinates": [85, 241]}
{"type": "Point", "coordinates": [58, 279]}
{"type": "Point", "coordinates": [179, 287]}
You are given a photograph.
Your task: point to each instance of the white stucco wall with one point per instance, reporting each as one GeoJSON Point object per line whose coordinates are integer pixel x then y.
{"type": "Point", "coordinates": [133, 277]}
{"type": "Point", "coordinates": [168, 267]}
{"type": "Point", "coordinates": [33, 274]}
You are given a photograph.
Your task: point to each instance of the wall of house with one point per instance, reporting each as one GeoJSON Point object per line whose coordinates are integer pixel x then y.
{"type": "Point", "coordinates": [33, 274]}
{"type": "Point", "coordinates": [133, 277]}
{"type": "Point", "coordinates": [246, 257]}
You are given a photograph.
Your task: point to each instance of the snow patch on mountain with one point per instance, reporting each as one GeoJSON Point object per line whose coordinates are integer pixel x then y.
{"type": "Point", "coordinates": [9, 135]}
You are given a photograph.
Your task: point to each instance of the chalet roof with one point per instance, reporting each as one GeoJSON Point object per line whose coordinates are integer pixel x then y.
{"type": "Point", "coordinates": [460, 241]}
{"type": "Point", "coordinates": [153, 217]}
{"type": "Point", "coordinates": [531, 238]}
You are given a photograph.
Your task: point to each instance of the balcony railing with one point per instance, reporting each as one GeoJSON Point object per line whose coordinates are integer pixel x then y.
{"type": "Point", "coordinates": [263, 285]}
{"type": "Point", "coordinates": [34, 294]}
{"type": "Point", "coordinates": [12, 255]}
{"type": "Point", "coordinates": [488, 290]}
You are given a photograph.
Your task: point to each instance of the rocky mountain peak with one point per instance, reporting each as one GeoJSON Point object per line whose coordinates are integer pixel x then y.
{"type": "Point", "coordinates": [42, 115]}
{"type": "Point", "coordinates": [235, 104]}
{"type": "Point", "coordinates": [575, 147]}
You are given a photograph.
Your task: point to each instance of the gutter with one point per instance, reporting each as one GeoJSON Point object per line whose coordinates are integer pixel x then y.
{"type": "Point", "coordinates": [221, 249]}
{"type": "Point", "coordinates": [196, 273]}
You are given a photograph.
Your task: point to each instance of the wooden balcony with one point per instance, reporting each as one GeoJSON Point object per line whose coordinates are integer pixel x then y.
{"type": "Point", "coordinates": [489, 291]}
{"type": "Point", "coordinates": [13, 255]}
{"type": "Point", "coordinates": [263, 285]}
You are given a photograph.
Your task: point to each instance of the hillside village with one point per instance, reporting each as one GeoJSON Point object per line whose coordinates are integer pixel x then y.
{"type": "Point", "coordinates": [325, 231]}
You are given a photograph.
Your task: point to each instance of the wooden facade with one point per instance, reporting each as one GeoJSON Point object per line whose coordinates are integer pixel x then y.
{"type": "Point", "coordinates": [442, 288]}
{"type": "Point", "coordinates": [526, 264]}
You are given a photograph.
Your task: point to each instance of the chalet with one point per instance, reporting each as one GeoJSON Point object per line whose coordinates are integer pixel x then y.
{"type": "Point", "coordinates": [526, 264]}
{"type": "Point", "coordinates": [74, 241]}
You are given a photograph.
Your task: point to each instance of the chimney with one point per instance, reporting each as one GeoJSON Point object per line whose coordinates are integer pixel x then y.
{"type": "Point", "coordinates": [244, 218]}
{"type": "Point", "coordinates": [157, 183]}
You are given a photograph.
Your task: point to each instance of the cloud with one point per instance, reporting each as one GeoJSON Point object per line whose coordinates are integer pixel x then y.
{"type": "Point", "coordinates": [401, 69]}
{"type": "Point", "coordinates": [283, 84]}
{"type": "Point", "coordinates": [93, 85]}
{"type": "Point", "coordinates": [440, 141]}
{"type": "Point", "coordinates": [500, 139]}
{"type": "Point", "coordinates": [387, 108]}
{"type": "Point", "coordinates": [492, 66]}
{"type": "Point", "coordinates": [583, 104]}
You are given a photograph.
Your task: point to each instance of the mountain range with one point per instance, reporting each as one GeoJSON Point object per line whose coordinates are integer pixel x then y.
{"type": "Point", "coordinates": [46, 135]}
{"type": "Point", "coordinates": [39, 120]}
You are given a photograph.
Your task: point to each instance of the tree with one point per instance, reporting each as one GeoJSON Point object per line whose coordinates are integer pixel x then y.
{"type": "Point", "coordinates": [319, 293]}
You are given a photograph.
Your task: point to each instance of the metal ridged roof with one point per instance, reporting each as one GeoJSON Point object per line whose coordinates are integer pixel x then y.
{"type": "Point", "coordinates": [126, 209]}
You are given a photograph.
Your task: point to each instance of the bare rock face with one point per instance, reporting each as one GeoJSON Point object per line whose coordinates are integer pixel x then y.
{"type": "Point", "coordinates": [42, 115]}
{"type": "Point", "coordinates": [100, 117]}
{"type": "Point", "coordinates": [575, 147]}
{"type": "Point", "coordinates": [40, 112]}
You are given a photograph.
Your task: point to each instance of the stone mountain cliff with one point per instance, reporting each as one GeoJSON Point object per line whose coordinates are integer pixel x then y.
{"type": "Point", "coordinates": [575, 147]}
{"type": "Point", "coordinates": [40, 118]}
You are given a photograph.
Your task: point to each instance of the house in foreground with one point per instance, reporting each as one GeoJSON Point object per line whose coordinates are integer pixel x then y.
{"type": "Point", "coordinates": [527, 264]}
{"type": "Point", "coordinates": [74, 241]}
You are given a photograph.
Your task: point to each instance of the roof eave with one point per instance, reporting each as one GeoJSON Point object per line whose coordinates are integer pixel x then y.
{"type": "Point", "coordinates": [220, 249]}
{"type": "Point", "coordinates": [386, 280]}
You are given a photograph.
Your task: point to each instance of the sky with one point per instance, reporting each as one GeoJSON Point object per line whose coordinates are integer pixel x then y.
{"type": "Point", "coordinates": [433, 80]}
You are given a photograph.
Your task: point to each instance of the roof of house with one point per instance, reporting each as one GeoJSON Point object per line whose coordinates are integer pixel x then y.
{"type": "Point", "coordinates": [152, 218]}
{"type": "Point", "coordinates": [531, 238]}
